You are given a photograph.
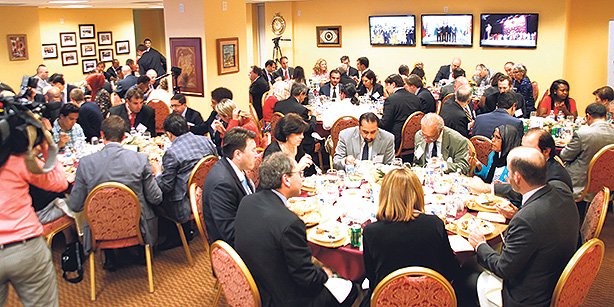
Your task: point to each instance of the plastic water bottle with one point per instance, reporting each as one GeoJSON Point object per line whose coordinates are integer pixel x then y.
{"type": "Point", "coordinates": [551, 116]}
{"type": "Point", "coordinates": [561, 116]}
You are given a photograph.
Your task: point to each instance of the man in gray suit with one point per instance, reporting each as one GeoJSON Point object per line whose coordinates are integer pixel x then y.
{"type": "Point", "coordinates": [435, 140]}
{"type": "Point", "coordinates": [115, 163]}
{"type": "Point", "coordinates": [365, 142]}
{"type": "Point", "coordinates": [585, 143]}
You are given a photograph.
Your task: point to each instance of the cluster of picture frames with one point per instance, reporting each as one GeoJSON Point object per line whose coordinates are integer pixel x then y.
{"type": "Point", "coordinates": [88, 48]}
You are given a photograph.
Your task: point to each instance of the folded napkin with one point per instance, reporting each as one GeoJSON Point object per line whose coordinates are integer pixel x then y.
{"type": "Point", "coordinates": [459, 244]}
{"type": "Point", "coordinates": [340, 288]}
{"type": "Point", "coordinates": [493, 217]}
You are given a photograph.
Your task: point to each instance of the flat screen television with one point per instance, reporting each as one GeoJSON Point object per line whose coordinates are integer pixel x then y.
{"type": "Point", "coordinates": [508, 30]}
{"type": "Point", "coordinates": [394, 30]}
{"type": "Point", "coordinates": [447, 30]}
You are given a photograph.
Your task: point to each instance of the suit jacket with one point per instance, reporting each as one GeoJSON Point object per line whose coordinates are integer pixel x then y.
{"type": "Point", "coordinates": [90, 119]}
{"type": "Point", "coordinates": [256, 90]}
{"type": "Point", "coordinates": [152, 59]}
{"type": "Point", "coordinates": [111, 73]}
{"type": "Point", "coordinates": [485, 124]}
{"type": "Point", "coordinates": [147, 117]}
{"type": "Point", "coordinates": [491, 104]}
{"type": "Point", "coordinates": [349, 145]}
{"type": "Point", "coordinates": [538, 243]}
{"type": "Point", "coordinates": [69, 87]}
{"type": "Point", "coordinates": [377, 88]}
{"type": "Point", "coordinates": [272, 242]}
{"type": "Point", "coordinates": [455, 118]}
{"type": "Point", "coordinates": [280, 74]}
{"type": "Point", "coordinates": [195, 122]}
{"type": "Point", "coordinates": [352, 72]}
{"type": "Point", "coordinates": [446, 90]}
{"type": "Point", "coordinates": [443, 73]}
{"type": "Point", "coordinates": [454, 150]}
{"type": "Point", "coordinates": [397, 108]}
{"type": "Point", "coordinates": [222, 194]}
{"type": "Point", "coordinates": [585, 143]}
{"type": "Point", "coordinates": [326, 88]}
{"type": "Point", "coordinates": [124, 85]}
{"type": "Point", "coordinates": [345, 80]}
{"type": "Point", "coordinates": [291, 105]}
{"type": "Point", "coordinates": [115, 163]}
{"type": "Point", "coordinates": [428, 101]}
{"type": "Point", "coordinates": [269, 77]}
{"type": "Point", "coordinates": [214, 134]}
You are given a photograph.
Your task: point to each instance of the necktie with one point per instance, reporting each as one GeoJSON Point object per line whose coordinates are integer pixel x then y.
{"type": "Point", "coordinates": [132, 119]}
{"type": "Point", "coordinates": [334, 92]}
{"type": "Point", "coordinates": [248, 189]}
{"type": "Point", "coordinates": [63, 97]}
{"type": "Point", "coordinates": [434, 150]}
{"type": "Point", "coordinates": [468, 114]}
{"type": "Point", "coordinates": [286, 77]}
{"type": "Point", "coordinates": [365, 152]}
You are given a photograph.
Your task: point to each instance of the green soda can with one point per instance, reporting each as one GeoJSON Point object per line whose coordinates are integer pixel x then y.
{"type": "Point", "coordinates": [355, 235]}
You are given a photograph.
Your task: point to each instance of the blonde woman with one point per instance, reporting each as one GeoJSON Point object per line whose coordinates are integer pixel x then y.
{"type": "Point", "coordinates": [320, 72]}
{"type": "Point", "coordinates": [403, 235]}
{"type": "Point", "coordinates": [279, 92]}
{"type": "Point", "coordinates": [234, 117]}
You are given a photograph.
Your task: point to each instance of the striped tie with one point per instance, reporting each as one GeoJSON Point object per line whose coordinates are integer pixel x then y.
{"type": "Point", "coordinates": [468, 114]}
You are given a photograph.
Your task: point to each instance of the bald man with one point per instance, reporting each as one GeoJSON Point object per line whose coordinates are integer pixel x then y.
{"type": "Point", "coordinates": [127, 82]}
{"type": "Point", "coordinates": [445, 71]}
{"type": "Point", "coordinates": [539, 241]}
{"type": "Point", "coordinates": [53, 97]}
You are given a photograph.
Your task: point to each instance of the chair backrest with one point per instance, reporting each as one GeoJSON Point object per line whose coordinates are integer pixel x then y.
{"type": "Point", "coordinates": [253, 173]}
{"type": "Point", "coordinates": [444, 101]}
{"type": "Point", "coordinates": [162, 112]}
{"type": "Point", "coordinates": [113, 212]}
{"type": "Point", "coordinates": [340, 125]}
{"type": "Point", "coordinates": [413, 286]}
{"type": "Point", "coordinates": [535, 90]}
{"type": "Point", "coordinates": [600, 171]}
{"type": "Point", "coordinates": [472, 154]}
{"type": "Point", "coordinates": [579, 274]}
{"type": "Point", "coordinates": [235, 279]}
{"type": "Point", "coordinates": [201, 169]}
{"type": "Point", "coordinates": [196, 198]}
{"type": "Point", "coordinates": [408, 134]}
{"type": "Point", "coordinates": [254, 115]}
{"type": "Point", "coordinates": [483, 148]}
{"type": "Point", "coordinates": [595, 215]}
{"type": "Point", "coordinates": [274, 119]}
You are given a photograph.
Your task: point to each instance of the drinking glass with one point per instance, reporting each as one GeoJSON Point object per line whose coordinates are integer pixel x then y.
{"type": "Point", "coordinates": [94, 140]}
{"type": "Point", "coordinates": [147, 135]}
{"type": "Point", "coordinates": [397, 162]}
{"type": "Point", "coordinates": [533, 114]}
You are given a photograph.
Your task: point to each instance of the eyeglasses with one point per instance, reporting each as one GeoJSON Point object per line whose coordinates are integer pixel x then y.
{"type": "Point", "coordinates": [297, 172]}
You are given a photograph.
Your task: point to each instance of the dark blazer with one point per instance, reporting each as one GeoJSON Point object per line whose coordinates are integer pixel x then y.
{"type": "Point", "coordinates": [352, 72]}
{"type": "Point", "coordinates": [147, 117]}
{"type": "Point", "coordinates": [428, 101]}
{"type": "Point", "coordinates": [485, 124]}
{"type": "Point", "coordinates": [345, 80]}
{"type": "Point", "coordinates": [272, 242]}
{"type": "Point", "coordinates": [454, 117]}
{"type": "Point", "coordinates": [279, 73]}
{"type": "Point", "coordinates": [377, 88]}
{"type": "Point", "coordinates": [124, 85]}
{"type": "Point", "coordinates": [326, 88]}
{"type": "Point", "coordinates": [397, 108]}
{"type": "Point", "coordinates": [111, 73]}
{"type": "Point", "coordinates": [213, 134]}
{"type": "Point", "coordinates": [539, 241]}
{"type": "Point", "coordinates": [52, 112]}
{"type": "Point", "coordinates": [195, 122]}
{"type": "Point", "coordinates": [152, 59]}
{"type": "Point", "coordinates": [256, 90]}
{"type": "Point", "coordinates": [291, 105]}
{"type": "Point", "coordinates": [69, 87]}
{"type": "Point", "coordinates": [443, 73]}
{"type": "Point", "coordinates": [389, 246]}
{"type": "Point", "coordinates": [491, 104]}
{"type": "Point", "coordinates": [554, 172]}
{"type": "Point", "coordinates": [90, 119]}
{"type": "Point", "coordinates": [222, 194]}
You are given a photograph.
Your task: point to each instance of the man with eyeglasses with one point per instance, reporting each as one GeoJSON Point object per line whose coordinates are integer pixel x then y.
{"type": "Point", "coordinates": [195, 120]}
{"type": "Point", "coordinates": [434, 140]}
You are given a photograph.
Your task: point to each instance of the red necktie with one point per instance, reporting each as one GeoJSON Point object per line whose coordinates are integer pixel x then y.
{"type": "Point", "coordinates": [286, 77]}
{"type": "Point", "coordinates": [132, 119]}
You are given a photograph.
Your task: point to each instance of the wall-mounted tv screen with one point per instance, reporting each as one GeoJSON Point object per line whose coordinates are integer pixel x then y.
{"type": "Point", "coordinates": [447, 30]}
{"type": "Point", "coordinates": [399, 30]}
{"type": "Point", "coordinates": [508, 30]}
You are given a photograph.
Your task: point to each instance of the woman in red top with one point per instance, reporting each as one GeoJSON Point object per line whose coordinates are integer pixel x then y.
{"type": "Point", "coordinates": [558, 100]}
{"type": "Point", "coordinates": [229, 113]}
{"type": "Point", "coordinates": [280, 91]}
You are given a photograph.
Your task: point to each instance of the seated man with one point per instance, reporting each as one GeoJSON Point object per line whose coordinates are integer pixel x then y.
{"type": "Point", "coordinates": [459, 79]}
{"type": "Point", "coordinates": [414, 85]}
{"type": "Point", "coordinates": [365, 142]}
{"type": "Point", "coordinates": [115, 163]}
{"type": "Point", "coordinates": [90, 116]}
{"type": "Point", "coordinates": [456, 114]}
{"type": "Point", "coordinates": [272, 241]}
{"type": "Point", "coordinates": [485, 124]}
{"type": "Point", "coordinates": [66, 132]}
{"type": "Point", "coordinates": [332, 89]}
{"type": "Point", "coordinates": [134, 113]}
{"type": "Point", "coordinates": [195, 121]}
{"type": "Point", "coordinates": [504, 85]}
{"type": "Point", "coordinates": [445, 71]}
{"type": "Point", "coordinates": [605, 96]}
{"type": "Point", "coordinates": [435, 140]}
{"type": "Point", "coordinates": [227, 184]}
{"type": "Point", "coordinates": [538, 243]}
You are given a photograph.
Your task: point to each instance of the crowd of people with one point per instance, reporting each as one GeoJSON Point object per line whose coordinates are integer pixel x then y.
{"type": "Point", "coordinates": [253, 219]}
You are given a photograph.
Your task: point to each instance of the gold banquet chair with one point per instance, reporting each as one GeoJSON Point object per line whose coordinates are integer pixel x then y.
{"type": "Point", "coordinates": [339, 125]}
{"type": "Point", "coordinates": [413, 286]}
{"type": "Point", "coordinates": [234, 277]}
{"type": "Point", "coordinates": [595, 215]}
{"type": "Point", "coordinates": [600, 171]}
{"type": "Point", "coordinates": [408, 134]}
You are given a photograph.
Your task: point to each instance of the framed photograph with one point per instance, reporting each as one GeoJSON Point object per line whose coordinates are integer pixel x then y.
{"type": "Point", "coordinates": [68, 39]}
{"type": "Point", "coordinates": [447, 30]}
{"type": "Point", "coordinates": [87, 31]}
{"type": "Point", "coordinates": [227, 55]}
{"type": "Point", "coordinates": [50, 51]}
{"type": "Point", "coordinates": [88, 49]}
{"type": "Point", "coordinates": [122, 47]}
{"type": "Point", "coordinates": [328, 36]}
{"type": "Point", "coordinates": [88, 65]}
{"type": "Point", "coordinates": [395, 30]}
{"type": "Point", "coordinates": [105, 38]}
{"type": "Point", "coordinates": [508, 30]}
{"type": "Point", "coordinates": [186, 53]}
{"type": "Point", "coordinates": [69, 58]}
{"type": "Point", "coordinates": [105, 55]}
{"type": "Point", "coordinates": [17, 46]}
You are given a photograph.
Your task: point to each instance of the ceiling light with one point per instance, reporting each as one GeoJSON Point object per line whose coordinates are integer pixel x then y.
{"type": "Point", "coordinates": [156, 7]}
{"type": "Point", "coordinates": [76, 6]}
{"type": "Point", "coordinates": [66, 1]}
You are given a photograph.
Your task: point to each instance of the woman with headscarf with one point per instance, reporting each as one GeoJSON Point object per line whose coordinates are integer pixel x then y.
{"type": "Point", "coordinates": [504, 139]}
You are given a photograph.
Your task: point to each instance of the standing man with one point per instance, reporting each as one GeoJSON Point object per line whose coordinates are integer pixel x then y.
{"type": "Point", "coordinates": [538, 243]}
{"type": "Point", "coordinates": [269, 71]}
{"type": "Point", "coordinates": [217, 95]}
{"type": "Point", "coordinates": [398, 107]}
{"type": "Point", "coordinates": [436, 140]}
{"type": "Point", "coordinates": [332, 88]}
{"type": "Point", "coordinates": [193, 118]}
{"type": "Point", "coordinates": [350, 71]}
{"type": "Point", "coordinates": [414, 85]}
{"type": "Point", "coordinates": [66, 131]}
{"type": "Point", "coordinates": [456, 114]}
{"type": "Point", "coordinates": [150, 59]}
{"type": "Point", "coordinates": [257, 88]}
{"type": "Point", "coordinates": [285, 72]}
{"type": "Point", "coordinates": [90, 116]}
{"type": "Point", "coordinates": [445, 71]}
{"type": "Point", "coordinates": [293, 104]}
{"type": "Point", "coordinates": [134, 113]}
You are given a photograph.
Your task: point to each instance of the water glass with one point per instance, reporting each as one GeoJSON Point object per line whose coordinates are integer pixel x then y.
{"type": "Point", "coordinates": [147, 135]}
{"type": "Point", "coordinates": [398, 162]}
{"type": "Point", "coordinates": [94, 141]}
{"type": "Point", "coordinates": [533, 114]}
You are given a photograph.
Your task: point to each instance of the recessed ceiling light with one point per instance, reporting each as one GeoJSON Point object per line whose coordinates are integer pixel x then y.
{"type": "Point", "coordinates": [66, 1]}
{"type": "Point", "coordinates": [156, 7]}
{"type": "Point", "coordinates": [76, 6]}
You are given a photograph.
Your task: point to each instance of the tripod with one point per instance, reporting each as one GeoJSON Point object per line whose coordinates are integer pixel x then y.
{"type": "Point", "coordinates": [277, 54]}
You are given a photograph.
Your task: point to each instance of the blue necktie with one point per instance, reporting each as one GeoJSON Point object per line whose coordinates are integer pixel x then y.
{"type": "Point", "coordinates": [246, 186]}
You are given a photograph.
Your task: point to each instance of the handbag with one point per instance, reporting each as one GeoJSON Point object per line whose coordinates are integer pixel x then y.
{"type": "Point", "coordinates": [72, 261]}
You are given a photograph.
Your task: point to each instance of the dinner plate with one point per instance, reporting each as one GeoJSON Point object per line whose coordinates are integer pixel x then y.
{"type": "Point", "coordinates": [464, 229]}
{"type": "Point", "coordinates": [329, 233]}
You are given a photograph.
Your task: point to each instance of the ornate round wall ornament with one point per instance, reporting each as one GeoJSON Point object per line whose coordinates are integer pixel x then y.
{"type": "Point", "coordinates": [278, 24]}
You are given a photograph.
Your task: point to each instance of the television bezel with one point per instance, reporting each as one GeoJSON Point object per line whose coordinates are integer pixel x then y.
{"type": "Point", "coordinates": [445, 45]}
{"type": "Point", "coordinates": [398, 15]}
{"type": "Point", "coordinates": [509, 46]}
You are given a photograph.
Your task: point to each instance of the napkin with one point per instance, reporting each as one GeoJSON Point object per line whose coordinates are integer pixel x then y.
{"type": "Point", "coordinates": [340, 288]}
{"type": "Point", "coordinates": [459, 244]}
{"type": "Point", "coordinates": [493, 217]}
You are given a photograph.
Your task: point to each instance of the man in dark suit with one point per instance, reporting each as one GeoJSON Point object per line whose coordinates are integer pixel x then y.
{"type": "Point", "coordinates": [272, 241]}
{"type": "Point", "coordinates": [284, 72]}
{"type": "Point", "coordinates": [150, 59]}
{"type": "Point", "coordinates": [58, 81]}
{"type": "Point", "coordinates": [485, 124]}
{"type": "Point", "coordinates": [414, 85]}
{"type": "Point", "coordinates": [398, 107]}
{"type": "Point", "coordinates": [269, 71]}
{"type": "Point", "coordinates": [350, 71]}
{"type": "Point", "coordinates": [458, 75]}
{"type": "Point", "coordinates": [345, 79]}
{"type": "Point", "coordinates": [539, 241]}
{"type": "Point", "coordinates": [445, 71]}
{"type": "Point", "coordinates": [112, 72]}
{"type": "Point", "coordinates": [298, 93]}
{"type": "Point", "coordinates": [504, 85]}
{"type": "Point", "coordinates": [257, 88]}
{"type": "Point", "coordinates": [126, 83]}
{"type": "Point", "coordinates": [217, 95]}
{"type": "Point", "coordinates": [195, 121]}
{"type": "Point", "coordinates": [90, 116]}
{"type": "Point", "coordinates": [362, 66]}
{"type": "Point", "coordinates": [457, 114]}
{"type": "Point", "coordinates": [332, 88]}
{"type": "Point", "coordinates": [134, 113]}
{"type": "Point", "coordinates": [227, 184]}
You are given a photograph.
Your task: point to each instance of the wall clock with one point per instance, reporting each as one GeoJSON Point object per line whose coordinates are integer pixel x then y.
{"type": "Point", "coordinates": [278, 25]}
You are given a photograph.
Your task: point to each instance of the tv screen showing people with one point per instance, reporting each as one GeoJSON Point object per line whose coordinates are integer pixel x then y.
{"type": "Point", "coordinates": [508, 30]}
{"type": "Point", "coordinates": [397, 30]}
{"type": "Point", "coordinates": [447, 30]}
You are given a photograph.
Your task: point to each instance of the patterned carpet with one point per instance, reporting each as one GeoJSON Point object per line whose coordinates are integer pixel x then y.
{"type": "Point", "coordinates": [177, 284]}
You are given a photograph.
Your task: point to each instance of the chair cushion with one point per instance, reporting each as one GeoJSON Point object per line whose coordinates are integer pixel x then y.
{"type": "Point", "coordinates": [414, 291]}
